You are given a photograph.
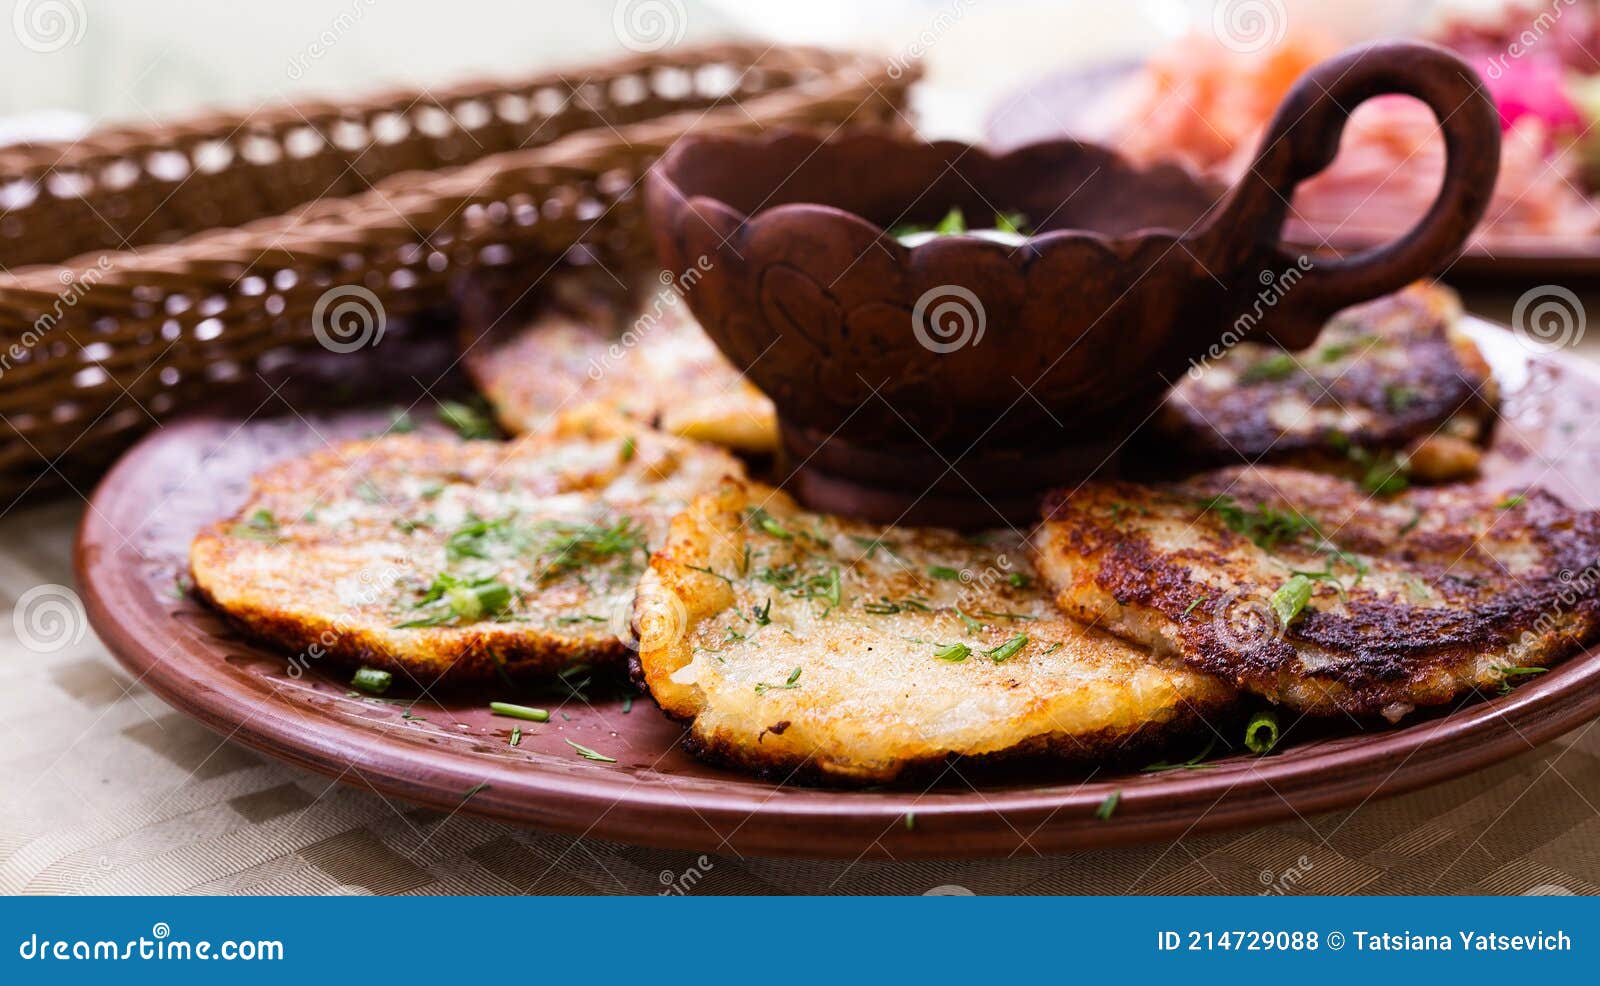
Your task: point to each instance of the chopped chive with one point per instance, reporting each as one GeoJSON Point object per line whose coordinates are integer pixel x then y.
{"type": "Point", "coordinates": [372, 681]}
{"type": "Point", "coordinates": [1007, 650]}
{"type": "Point", "coordinates": [467, 421]}
{"type": "Point", "coordinates": [1190, 608]}
{"type": "Point", "coordinates": [629, 448]}
{"type": "Point", "coordinates": [1108, 806]}
{"type": "Point", "coordinates": [588, 754]}
{"type": "Point", "coordinates": [944, 572]}
{"type": "Point", "coordinates": [519, 711]}
{"type": "Point", "coordinates": [1193, 763]}
{"type": "Point", "coordinates": [953, 222]}
{"type": "Point", "coordinates": [1399, 396]}
{"type": "Point", "coordinates": [474, 789]}
{"type": "Point", "coordinates": [708, 571]}
{"type": "Point", "coordinates": [1278, 366]}
{"type": "Point", "coordinates": [1291, 598]}
{"type": "Point", "coordinates": [952, 652]}
{"type": "Point", "coordinates": [1261, 733]}
{"type": "Point", "coordinates": [973, 626]}
{"type": "Point", "coordinates": [259, 526]}
{"type": "Point", "coordinates": [401, 422]}
{"type": "Point", "coordinates": [1019, 580]}
{"type": "Point", "coordinates": [911, 820]}
{"type": "Point", "coordinates": [516, 735]}
{"type": "Point", "coordinates": [769, 523]}
{"type": "Point", "coordinates": [793, 681]}
{"type": "Point", "coordinates": [1011, 222]}
{"type": "Point", "coordinates": [1514, 500]}
{"type": "Point", "coordinates": [627, 704]}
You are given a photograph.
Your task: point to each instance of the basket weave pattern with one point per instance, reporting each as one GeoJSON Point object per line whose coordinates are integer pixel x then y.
{"type": "Point", "coordinates": [394, 195]}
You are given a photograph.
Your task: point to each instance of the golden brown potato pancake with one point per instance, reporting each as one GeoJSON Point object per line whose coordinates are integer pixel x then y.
{"type": "Point", "coordinates": [440, 557]}
{"type": "Point", "coordinates": [1392, 388]}
{"type": "Point", "coordinates": [1303, 589]}
{"type": "Point", "coordinates": [661, 369]}
{"type": "Point", "coordinates": [808, 646]}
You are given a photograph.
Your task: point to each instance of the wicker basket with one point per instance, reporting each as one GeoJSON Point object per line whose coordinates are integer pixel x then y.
{"type": "Point", "coordinates": [320, 203]}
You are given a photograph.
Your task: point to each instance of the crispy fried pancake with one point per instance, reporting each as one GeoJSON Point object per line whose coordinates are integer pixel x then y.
{"type": "Point", "coordinates": [806, 645]}
{"type": "Point", "coordinates": [1411, 600]}
{"type": "Point", "coordinates": [662, 369]}
{"type": "Point", "coordinates": [1394, 376]}
{"type": "Point", "coordinates": [437, 556]}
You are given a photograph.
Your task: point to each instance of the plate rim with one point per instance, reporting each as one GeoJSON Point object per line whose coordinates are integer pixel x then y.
{"type": "Point", "coordinates": [792, 821]}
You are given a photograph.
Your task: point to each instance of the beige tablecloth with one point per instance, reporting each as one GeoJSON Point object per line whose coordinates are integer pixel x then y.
{"type": "Point", "coordinates": [107, 790]}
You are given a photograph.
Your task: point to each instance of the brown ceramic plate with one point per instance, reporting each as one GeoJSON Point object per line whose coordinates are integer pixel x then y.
{"type": "Point", "coordinates": [1073, 104]}
{"type": "Point", "coordinates": [456, 757]}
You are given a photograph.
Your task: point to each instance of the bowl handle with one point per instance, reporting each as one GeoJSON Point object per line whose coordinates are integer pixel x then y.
{"type": "Point", "coordinates": [1303, 139]}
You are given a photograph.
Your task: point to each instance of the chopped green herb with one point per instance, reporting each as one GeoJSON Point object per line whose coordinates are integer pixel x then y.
{"type": "Point", "coordinates": [762, 614]}
{"type": "Point", "coordinates": [475, 789]}
{"type": "Point", "coordinates": [996, 614]}
{"type": "Point", "coordinates": [760, 518]}
{"type": "Point", "coordinates": [911, 820]}
{"type": "Point", "coordinates": [973, 626]}
{"type": "Point", "coordinates": [455, 600]}
{"type": "Point", "coordinates": [1335, 351]}
{"type": "Point", "coordinates": [1261, 733]}
{"type": "Point", "coordinates": [952, 223]}
{"type": "Point", "coordinates": [708, 571]}
{"type": "Point", "coordinates": [401, 422]}
{"type": "Point", "coordinates": [574, 546]}
{"type": "Point", "coordinates": [1278, 366]}
{"type": "Point", "coordinates": [1411, 524]}
{"type": "Point", "coordinates": [588, 754]}
{"type": "Point", "coordinates": [1399, 396]}
{"type": "Point", "coordinates": [628, 450]}
{"type": "Point", "coordinates": [952, 652]}
{"type": "Point", "coordinates": [516, 736]}
{"type": "Point", "coordinates": [793, 681]}
{"type": "Point", "coordinates": [1291, 598]}
{"type": "Point", "coordinates": [1266, 527]}
{"type": "Point", "coordinates": [1507, 673]}
{"type": "Point", "coordinates": [1190, 608]}
{"type": "Point", "coordinates": [467, 421]}
{"type": "Point", "coordinates": [1012, 222]}
{"type": "Point", "coordinates": [259, 526]}
{"type": "Point", "coordinates": [1019, 580]}
{"type": "Point", "coordinates": [944, 572]}
{"type": "Point", "coordinates": [372, 681]}
{"type": "Point", "coordinates": [1193, 763]}
{"type": "Point", "coordinates": [1108, 806]}
{"type": "Point", "coordinates": [1387, 476]}
{"type": "Point", "coordinates": [1007, 650]}
{"type": "Point", "coordinates": [1514, 500]}
{"type": "Point", "coordinates": [519, 711]}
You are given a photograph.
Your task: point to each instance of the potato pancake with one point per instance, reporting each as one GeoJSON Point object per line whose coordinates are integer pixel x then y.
{"type": "Point", "coordinates": [1392, 388]}
{"type": "Point", "coordinates": [441, 557]}
{"type": "Point", "coordinates": [807, 646]}
{"type": "Point", "coordinates": [1303, 589]}
{"type": "Point", "coordinates": [662, 369]}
